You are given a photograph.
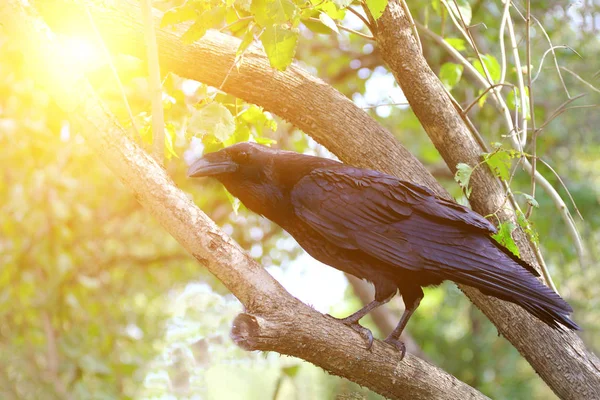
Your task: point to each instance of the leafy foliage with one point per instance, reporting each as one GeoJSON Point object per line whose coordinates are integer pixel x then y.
{"type": "Point", "coordinates": [450, 74]}
{"type": "Point", "coordinates": [488, 64]}
{"type": "Point", "coordinates": [500, 162]}
{"type": "Point", "coordinates": [376, 7]}
{"type": "Point", "coordinates": [280, 45]}
{"type": "Point", "coordinates": [463, 176]}
{"type": "Point", "coordinates": [504, 237]}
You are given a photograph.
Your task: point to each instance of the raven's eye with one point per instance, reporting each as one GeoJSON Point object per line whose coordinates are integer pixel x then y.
{"type": "Point", "coordinates": [243, 156]}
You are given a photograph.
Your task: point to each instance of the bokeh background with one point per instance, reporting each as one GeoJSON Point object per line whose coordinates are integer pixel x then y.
{"type": "Point", "coordinates": [97, 301]}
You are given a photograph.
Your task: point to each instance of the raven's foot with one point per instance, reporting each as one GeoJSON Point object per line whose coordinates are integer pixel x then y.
{"type": "Point", "coordinates": [362, 331]}
{"type": "Point", "coordinates": [398, 345]}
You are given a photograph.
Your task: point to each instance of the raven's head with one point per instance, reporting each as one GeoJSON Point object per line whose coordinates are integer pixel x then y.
{"type": "Point", "coordinates": [261, 177]}
{"type": "Point", "coordinates": [244, 160]}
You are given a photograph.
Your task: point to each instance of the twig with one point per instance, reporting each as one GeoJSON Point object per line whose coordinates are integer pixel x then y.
{"type": "Point", "coordinates": [313, 19]}
{"type": "Point", "coordinates": [503, 22]}
{"type": "Point", "coordinates": [412, 24]}
{"type": "Point", "coordinates": [158, 118]}
{"type": "Point", "coordinates": [235, 61]}
{"type": "Point", "coordinates": [468, 108]}
{"type": "Point", "coordinates": [560, 109]}
{"type": "Point", "coordinates": [563, 185]}
{"type": "Point", "coordinates": [534, 134]}
{"type": "Point", "coordinates": [566, 109]}
{"type": "Point", "coordinates": [592, 87]}
{"type": "Point", "coordinates": [562, 81]}
{"type": "Point", "coordinates": [521, 83]}
{"type": "Point", "coordinates": [551, 50]}
{"type": "Point", "coordinates": [385, 105]}
{"type": "Point", "coordinates": [361, 17]}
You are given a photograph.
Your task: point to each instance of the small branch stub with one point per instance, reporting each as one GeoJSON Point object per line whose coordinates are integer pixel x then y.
{"type": "Point", "coordinates": [244, 331]}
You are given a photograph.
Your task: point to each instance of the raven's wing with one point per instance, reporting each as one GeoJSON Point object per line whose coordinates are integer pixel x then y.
{"type": "Point", "coordinates": [401, 224]}
{"type": "Point", "coordinates": [406, 226]}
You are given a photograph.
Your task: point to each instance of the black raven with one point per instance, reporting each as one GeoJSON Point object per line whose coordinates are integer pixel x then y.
{"type": "Point", "coordinates": [396, 234]}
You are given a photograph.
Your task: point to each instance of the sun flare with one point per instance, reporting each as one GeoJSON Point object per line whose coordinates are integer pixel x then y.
{"type": "Point", "coordinates": [83, 53]}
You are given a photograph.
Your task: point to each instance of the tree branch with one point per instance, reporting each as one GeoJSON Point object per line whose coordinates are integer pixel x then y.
{"type": "Point", "coordinates": [274, 320]}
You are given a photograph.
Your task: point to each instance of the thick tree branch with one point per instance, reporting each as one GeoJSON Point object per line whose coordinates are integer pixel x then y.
{"type": "Point", "coordinates": [275, 320]}
{"type": "Point", "coordinates": [333, 120]}
{"type": "Point", "coordinates": [451, 136]}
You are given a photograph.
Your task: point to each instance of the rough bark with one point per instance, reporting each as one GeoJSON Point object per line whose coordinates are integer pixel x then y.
{"type": "Point", "coordinates": [573, 371]}
{"type": "Point", "coordinates": [274, 320]}
{"type": "Point", "coordinates": [333, 120]}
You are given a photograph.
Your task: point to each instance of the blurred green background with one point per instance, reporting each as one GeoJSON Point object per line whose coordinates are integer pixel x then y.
{"type": "Point", "coordinates": [97, 301]}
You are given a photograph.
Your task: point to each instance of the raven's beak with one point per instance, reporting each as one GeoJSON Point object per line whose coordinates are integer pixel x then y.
{"type": "Point", "coordinates": [207, 167]}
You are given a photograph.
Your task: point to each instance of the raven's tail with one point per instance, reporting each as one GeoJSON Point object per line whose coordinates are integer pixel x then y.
{"type": "Point", "coordinates": [518, 285]}
{"type": "Point", "coordinates": [552, 316]}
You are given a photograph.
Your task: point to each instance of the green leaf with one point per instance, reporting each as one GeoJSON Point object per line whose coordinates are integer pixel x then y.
{"type": "Point", "coordinates": [499, 162]}
{"type": "Point", "coordinates": [457, 43]}
{"type": "Point", "coordinates": [291, 371]}
{"type": "Point", "coordinates": [247, 40]}
{"type": "Point", "coordinates": [243, 5]}
{"type": "Point", "coordinates": [178, 14]}
{"type": "Point", "coordinates": [531, 200]}
{"type": "Point", "coordinates": [331, 10]}
{"type": "Point", "coordinates": [328, 22]}
{"type": "Point", "coordinates": [483, 98]}
{"type": "Point", "coordinates": [273, 12]}
{"type": "Point", "coordinates": [462, 13]}
{"type": "Point", "coordinates": [264, 140]}
{"type": "Point", "coordinates": [450, 74]}
{"type": "Point", "coordinates": [234, 201]}
{"type": "Point", "coordinates": [504, 237]}
{"type": "Point", "coordinates": [195, 32]}
{"type": "Point", "coordinates": [280, 46]}
{"type": "Point", "coordinates": [169, 140]}
{"type": "Point", "coordinates": [315, 26]}
{"type": "Point", "coordinates": [463, 176]}
{"type": "Point", "coordinates": [208, 19]}
{"type": "Point", "coordinates": [241, 134]}
{"type": "Point", "coordinates": [491, 64]}
{"type": "Point", "coordinates": [513, 101]}
{"type": "Point", "coordinates": [527, 227]}
{"type": "Point", "coordinates": [255, 116]}
{"type": "Point", "coordinates": [377, 7]}
{"type": "Point", "coordinates": [215, 119]}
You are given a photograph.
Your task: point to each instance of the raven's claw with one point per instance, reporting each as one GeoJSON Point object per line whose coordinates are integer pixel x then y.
{"type": "Point", "coordinates": [398, 345]}
{"type": "Point", "coordinates": [362, 331]}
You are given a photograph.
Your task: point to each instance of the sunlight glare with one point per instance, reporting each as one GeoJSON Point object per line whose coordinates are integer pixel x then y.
{"type": "Point", "coordinates": [82, 53]}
